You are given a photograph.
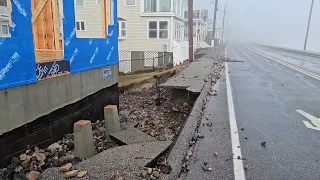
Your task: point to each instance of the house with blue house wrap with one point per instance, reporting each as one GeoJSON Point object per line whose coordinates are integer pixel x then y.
{"type": "Point", "coordinates": [49, 76]}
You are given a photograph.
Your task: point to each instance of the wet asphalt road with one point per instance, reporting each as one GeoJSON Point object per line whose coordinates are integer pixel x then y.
{"type": "Point", "coordinates": [266, 96]}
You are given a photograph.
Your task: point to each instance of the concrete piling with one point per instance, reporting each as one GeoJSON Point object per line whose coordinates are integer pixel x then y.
{"type": "Point", "coordinates": [83, 139]}
{"type": "Point", "coordinates": [112, 122]}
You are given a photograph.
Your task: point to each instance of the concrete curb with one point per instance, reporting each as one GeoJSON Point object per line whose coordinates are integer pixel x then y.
{"type": "Point", "coordinates": [181, 146]}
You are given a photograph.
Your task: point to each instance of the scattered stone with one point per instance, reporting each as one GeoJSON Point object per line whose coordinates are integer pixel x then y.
{"type": "Point", "coordinates": [55, 147]}
{"type": "Point", "coordinates": [23, 157]}
{"type": "Point", "coordinates": [156, 174]}
{"type": "Point", "coordinates": [71, 174]}
{"type": "Point", "coordinates": [18, 169]}
{"type": "Point", "coordinates": [14, 163]}
{"type": "Point", "coordinates": [149, 170]}
{"type": "Point", "coordinates": [33, 175]}
{"type": "Point", "coordinates": [215, 154]}
{"type": "Point", "coordinates": [242, 129]}
{"type": "Point", "coordinates": [206, 168]}
{"type": "Point", "coordinates": [189, 153]}
{"type": "Point", "coordinates": [20, 176]}
{"type": "Point", "coordinates": [70, 144]}
{"type": "Point", "coordinates": [66, 167]}
{"type": "Point", "coordinates": [209, 124]}
{"type": "Point", "coordinates": [82, 174]}
{"type": "Point", "coordinates": [174, 109]}
{"type": "Point", "coordinates": [26, 162]}
{"type": "Point", "coordinates": [200, 135]}
{"type": "Point", "coordinates": [245, 138]}
{"type": "Point", "coordinates": [246, 167]}
{"type": "Point", "coordinates": [39, 156]}
{"type": "Point", "coordinates": [263, 144]}
{"type": "Point", "coordinates": [210, 129]}
{"type": "Point", "coordinates": [144, 174]}
{"type": "Point", "coordinates": [152, 177]}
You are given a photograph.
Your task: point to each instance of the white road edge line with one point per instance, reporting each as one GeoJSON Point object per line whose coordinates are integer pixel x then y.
{"type": "Point", "coordinates": [236, 150]}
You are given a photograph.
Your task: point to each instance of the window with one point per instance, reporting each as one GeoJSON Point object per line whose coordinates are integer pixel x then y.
{"type": "Point", "coordinates": [3, 3]}
{"type": "Point", "coordinates": [79, 3]}
{"type": "Point", "coordinates": [80, 26]}
{"type": "Point", "coordinates": [163, 32]}
{"type": "Point", "coordinates": [153, 29]}
{"type": "Point", "coordinates": [158, 29]}
{"type": "Point", "coordinates": [130, 2]}
{"type": "Point", "coordinates": [4, 30]}
{"type": "Point", "coordinates": [150, 6]}
{"type": "Point", "coordinates": [165, 5]}
{"type": "Point", "coordinates": [122, 29]}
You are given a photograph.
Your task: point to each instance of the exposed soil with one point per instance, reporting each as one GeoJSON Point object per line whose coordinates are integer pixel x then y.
{"type": "Point", "coordinates": [139, 106]}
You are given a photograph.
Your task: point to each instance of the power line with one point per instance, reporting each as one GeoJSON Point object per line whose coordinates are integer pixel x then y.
{"type": "Point", "coordinates": [308, 27]}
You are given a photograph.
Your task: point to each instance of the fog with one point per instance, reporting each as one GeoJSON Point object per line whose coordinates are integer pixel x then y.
{"type": "Point", "coordinates": [274, 22]}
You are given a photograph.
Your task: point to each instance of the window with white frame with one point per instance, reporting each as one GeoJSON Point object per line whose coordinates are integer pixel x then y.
{"type": "Point", "coordinates": [150, 6]}
{"type": "Point", "coordinates": [158, 29]}
{"type": "Point", "coordinates": [153, 29]}
{"type": "Point", "coordinates": [178, 33]}
{"type": "Point", "coordinates": [164, 5]}
{"type": "Point", "coordinates": [79, 3]}
{"type": "Point", "coordinates": [4, 30]}
{"type": "Point", "coordinates": [122, 29]}
{"type": "Point", "coordinates": [130, 2]}
{"type": "Point", "coordinates": [163, 31]}
{"type": "Point", "coordinates": [157, 5]}
{"type": "Point", "coordinates": [81, 26]}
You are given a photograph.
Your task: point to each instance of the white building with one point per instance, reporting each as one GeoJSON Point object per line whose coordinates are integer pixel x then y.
{"type": "Point", "coordinates": [151, 25]}
{"type": "Point", "coordinates": [4, 19]}
{"type": "Point", "coordinates": [200, 27]}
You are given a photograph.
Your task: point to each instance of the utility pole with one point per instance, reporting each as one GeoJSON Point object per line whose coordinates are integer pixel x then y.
{"type": "Point", "coordinates": [190, 29]}
{"type": "Point", "coordinates": [224, 17]}
{"type": "Point", "coordinates": [308, 28]}
{"type": "Point", "coordinates": [214, 20]}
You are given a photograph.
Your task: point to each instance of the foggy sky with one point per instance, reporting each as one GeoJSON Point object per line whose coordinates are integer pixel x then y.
{"type": "Point", "coordinates": [274, 22]}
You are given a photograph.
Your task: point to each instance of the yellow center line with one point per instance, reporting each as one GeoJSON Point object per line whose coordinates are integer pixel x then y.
{"type": "Point", "coordinates": [315, 76]}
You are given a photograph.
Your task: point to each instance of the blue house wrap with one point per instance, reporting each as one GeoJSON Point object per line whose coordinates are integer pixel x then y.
{"type": "Point", "coordinates": [17, 55]}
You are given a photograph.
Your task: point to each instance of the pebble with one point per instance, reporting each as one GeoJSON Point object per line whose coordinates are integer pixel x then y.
{"type": "Point", "coordinates": [156, 174]}
{"type": "Point", "coordinates": [20, 176]}
{"type": "Point", "coordinates": [263, 144]}
{"type": "Point", "coordinates": [215, 154]}
{"type": "Point", "coordinates": [149, 170]}
{"type": "Point", "coordinates": [82, 174]}
{"type": "Point", "coordinates": [152, 177]}
{"type": "Point", "coordinates": [23, 157]}
{"type": "Point", "coordinates": [206, 168]}
{"type": "Point", "coordinates": [33, 175]}
{"type": "Point", "coordinates": [189, 153]}
{"type": "Point", "coordinates": [175, 109]}
{"type": "Point", "coordinates": [66, 167]}
{"type": "Point", "coordinates": [144, 174]}
{"type": "Point", "coordinates": [55, 147]}
{"type": "Point", "coordinates": [246, 167]}
{"type": "Point", "coordinates": [200, 135]}
{"type": "Point", "coordinates": [71, 174]}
